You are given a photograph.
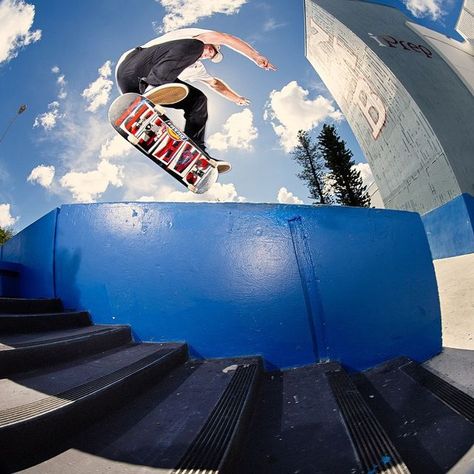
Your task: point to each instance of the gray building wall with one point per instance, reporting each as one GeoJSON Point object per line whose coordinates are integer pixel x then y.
{"type": "Point", "coordinates": [410, 112]}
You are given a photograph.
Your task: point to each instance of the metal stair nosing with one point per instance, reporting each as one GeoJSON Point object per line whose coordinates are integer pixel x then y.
{"type": "Point", "coordinates": [40, 428]}
{"type": "Point", "coordinates": [376, 451]}
{"type": "Point", "coordinates": [215, 446]}
{"type": "Point", "coordinates": [429, 431]}
{"type": "Point", "coordinates": [451, 396]}
{"type": "Point", "coordinates": [35, 355]}
{"type": "Point", "coordinates": [34, 322]}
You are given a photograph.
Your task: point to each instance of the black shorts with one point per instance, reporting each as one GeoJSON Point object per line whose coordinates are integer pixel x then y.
{"type": "Point", "coordinates": [157, 65]}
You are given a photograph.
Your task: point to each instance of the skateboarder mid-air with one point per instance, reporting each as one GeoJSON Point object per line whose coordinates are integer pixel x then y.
{"type": "Point", "coordinates": [163, 68]}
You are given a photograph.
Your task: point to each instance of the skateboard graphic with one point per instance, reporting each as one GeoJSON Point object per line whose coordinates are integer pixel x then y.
{"type": "Point", "coordinates": [148, 129]}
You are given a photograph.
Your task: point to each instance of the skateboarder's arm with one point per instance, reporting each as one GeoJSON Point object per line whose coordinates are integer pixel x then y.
{"type": "Point", "coordinates": [223, 89]}
{"type": "Point", "coordinates": [215, 37]}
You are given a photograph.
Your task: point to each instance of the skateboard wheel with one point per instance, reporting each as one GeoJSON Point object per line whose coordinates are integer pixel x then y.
{"type": "Point", "coordinates": [133, 139]}
{"type": "Point", "coordinates": [204, 164]}
{"type": "Point", "coordinates": [191, 178]}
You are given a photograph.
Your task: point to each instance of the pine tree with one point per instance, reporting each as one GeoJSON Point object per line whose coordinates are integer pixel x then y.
{"type": "Point", "coordinates": [307, 155]}
{"type": "Point", "coordinates": [5, 234]}
{"type": "Point", "coordinates": [348, 187]}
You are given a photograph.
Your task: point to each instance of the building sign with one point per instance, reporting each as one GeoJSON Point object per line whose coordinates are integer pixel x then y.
{"type": "Point", "coordinates": [388, 41]}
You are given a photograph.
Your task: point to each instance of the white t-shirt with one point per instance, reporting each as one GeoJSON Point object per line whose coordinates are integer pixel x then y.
{"type": "Point", "coordinates": [193, 73]}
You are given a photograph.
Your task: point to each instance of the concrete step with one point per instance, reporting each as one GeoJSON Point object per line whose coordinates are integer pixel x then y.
{"type": "Point", "coordinates": [20, 352]}
{"type": "Point", "coordinates": [40, 409]}
{"type": "Point", "coordinates": [298, 427]}
{"type": "Point", "coordinates": [428, 428]}
{"type": "Point", "coordinates": [25, 323]}
{"type": "Point", "coordinates": [30, 305]}
{"type": "Point", "coordinates": [192, 418]}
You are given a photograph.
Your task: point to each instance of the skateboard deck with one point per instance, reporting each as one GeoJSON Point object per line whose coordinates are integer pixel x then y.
{"type": "Point", "coordinates": [149, 130]}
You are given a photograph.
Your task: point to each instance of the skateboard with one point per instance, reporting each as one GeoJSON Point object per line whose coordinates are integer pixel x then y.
{"type": "Point", "coordinates": [146, 126]}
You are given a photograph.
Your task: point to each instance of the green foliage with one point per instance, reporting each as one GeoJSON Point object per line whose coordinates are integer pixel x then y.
{"type": "Point", "coordinates": [5, 234]}
{"type": "Point", "coordinates": [306, 154]}
{"type": "Point", "coordinates": [347, 184]}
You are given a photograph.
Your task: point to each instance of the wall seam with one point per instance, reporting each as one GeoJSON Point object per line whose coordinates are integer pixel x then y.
{"type": "Point", "coordinates": [58, 210]}
{"type": "Point", "coordinates": [311, 290]}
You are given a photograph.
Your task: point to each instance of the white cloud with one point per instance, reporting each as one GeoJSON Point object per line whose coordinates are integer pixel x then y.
{"type": "Point", "coordinates": [49, 119]}
{"type": "Point", "coordinates": [146, 182]}
{"type": "Point", "coordinates": [425, 8]}
{"type": "Point", "coordinates": [218, 193]}
{"type": "Point", "coordinates": [143, 179]}
{"type": "Point", "coordinates": [81, 136]}
{"type": "Point", "coordinates": [290, 110]}
{"type": "Point", "coordinates": [271, 24]}
{"type": "Point", "coordinates": [365, 173]}
{"type": "Point", "coordinates": [180, 13]}
{"type": "Point", "coordinates": [61, 81]}
{"type": "Point", "coordinates": [16, 18]}
{"type": "Point", "coordinates": [328, 186]}
{"type": "Point", "coordinates": [98, 92]}
{"type": "Point", "coordinates": [43, 175]}
{"type": "Point", "coordinates": [6, 219]}
{"type": "Point", "coordinates": [89, 186]}
{"type": "Point", "coordinates": [115, 147]}
{"type": "Point", "coordinates": [106, 69]}
{"type": "Point", "coordinates": [84, 145]}
{"type": "Point", "coordinates": [286, 197]}
{"type": "Point", "coordinates": [238, 132]}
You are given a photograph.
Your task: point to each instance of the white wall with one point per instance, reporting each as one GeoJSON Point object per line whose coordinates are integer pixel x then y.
{"type": "Point", "coordinates": [460, 56]}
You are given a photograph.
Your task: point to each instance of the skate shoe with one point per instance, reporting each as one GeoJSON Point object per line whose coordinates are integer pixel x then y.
{"type": "Point", "coordinates": [222, 166]}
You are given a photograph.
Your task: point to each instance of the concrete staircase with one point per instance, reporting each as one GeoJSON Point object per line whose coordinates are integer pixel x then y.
{"type": "Point", "coordinates": [61, 374]}
{"type": "Point", "coordinates": [77, 397]}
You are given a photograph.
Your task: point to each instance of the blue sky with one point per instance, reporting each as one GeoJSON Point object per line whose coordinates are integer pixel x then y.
{"type": "Point", "coordinates": [58, 57]}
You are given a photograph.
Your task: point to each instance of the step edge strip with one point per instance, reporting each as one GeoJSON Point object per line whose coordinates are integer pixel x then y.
{"type": "Point", "coordinates": [463, 403]}
{"type": "Point", "coordinates": [57, 341]}
{"type": "Point", "coordinates": [199, 447]}
{"type": "Point", "coordinates": [81, 392]}
{"type": "Point", "coordinates": [396, 463]}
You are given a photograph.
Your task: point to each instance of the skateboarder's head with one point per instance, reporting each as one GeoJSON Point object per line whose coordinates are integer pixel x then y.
{"type": "Point", "coordinates": [212, 52]}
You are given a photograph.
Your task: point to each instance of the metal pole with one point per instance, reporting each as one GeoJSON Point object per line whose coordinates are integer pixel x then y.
{"type": "Point", "coordinates": [19, 112]}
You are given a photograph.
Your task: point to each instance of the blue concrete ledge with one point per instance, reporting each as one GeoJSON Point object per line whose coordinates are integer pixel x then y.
{"type": "Point", "coordinates": [9, 267]}
{"type": "Point", "coordinates": [295, 284]}
{"type": "Point", "coordinates": [10, 278]}
{"type": "Point", "coordinates": [450, 228]}
{"type": "Point", "coordinates": [33, 248]}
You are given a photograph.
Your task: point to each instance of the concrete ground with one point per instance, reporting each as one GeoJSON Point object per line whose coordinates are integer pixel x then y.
{"type": "Point", "coordinates": [455, 278]}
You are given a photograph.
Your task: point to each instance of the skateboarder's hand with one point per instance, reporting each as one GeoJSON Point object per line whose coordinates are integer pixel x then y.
{"type": "Point", "coordinates": [264, 63]}
{"type": "Point", "coordinates": [242, 101]}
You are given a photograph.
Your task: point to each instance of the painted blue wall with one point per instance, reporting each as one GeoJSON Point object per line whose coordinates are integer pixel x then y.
{"type": "Point", "coordinates": [33, 248]}
{"type": "Point", "coordinates": [450, 228]}
{"type": "Point", "coordinates": [293, 283]}
{"type": "Point", "coordinates": [9, 278]}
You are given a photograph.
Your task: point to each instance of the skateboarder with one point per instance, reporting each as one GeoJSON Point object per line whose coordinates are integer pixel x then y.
{"type": "Point", "coordinates": [176, 58]}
